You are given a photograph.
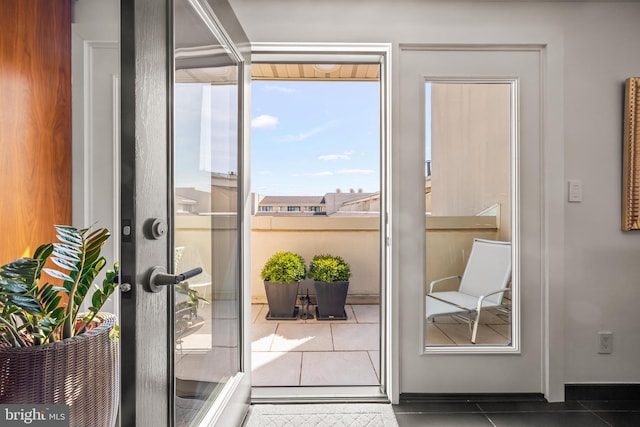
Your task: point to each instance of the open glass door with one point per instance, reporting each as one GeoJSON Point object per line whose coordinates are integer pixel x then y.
{"type": "Point", "coordinates": [183, 201]}
{"type": "Point", "coordinates": [206, 211]}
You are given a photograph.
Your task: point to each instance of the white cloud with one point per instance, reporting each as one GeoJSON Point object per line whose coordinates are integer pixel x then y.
{"type": "Point", "coordinates": [308, 134]}
{"type": "Point", "coordinates": [344, 156]}
{"type": "Point", "coordinates": [279, 89]}
{"type": "Point", "coordinates": [264, 121]}
{"type": "Point", "coordinates": [356, 172]}
{"type": "Point", "coordinates": [324, 173]}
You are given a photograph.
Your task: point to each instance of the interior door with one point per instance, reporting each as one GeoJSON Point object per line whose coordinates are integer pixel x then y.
{"type": "Point", "coordinates": [515, 366]}
{"type": "Point", "coordinates": [184, 196]}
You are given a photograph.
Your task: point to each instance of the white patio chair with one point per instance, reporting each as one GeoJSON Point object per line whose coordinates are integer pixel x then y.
{"type": "Point", "coordinates": [485, 280]}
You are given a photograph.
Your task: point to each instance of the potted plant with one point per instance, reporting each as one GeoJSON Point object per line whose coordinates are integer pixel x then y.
{"type": "Point", "coordinates": [331, 282]}
{"type": "Point", "coordinates": [186, 314]}
{"type": "Point", "coordinates": [49, 352]}
{"type": "Point", "coordinates": [282, 274]}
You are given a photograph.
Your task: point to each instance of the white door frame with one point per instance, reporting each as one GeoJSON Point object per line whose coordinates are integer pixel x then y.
{"type": "Point", "coordinates": [358, 53]}
{"type": "Point", "coordinates": [96, 135]}
{"type": "Point", "coordinates": [552, 203]}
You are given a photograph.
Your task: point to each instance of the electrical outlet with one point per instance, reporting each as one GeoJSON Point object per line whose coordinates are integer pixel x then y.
{"type": "Point", "coordinates": [605, 342]}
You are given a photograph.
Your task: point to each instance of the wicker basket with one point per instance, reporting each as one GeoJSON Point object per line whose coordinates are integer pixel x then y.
{"type": "Point", "coordinates": [81, 372]}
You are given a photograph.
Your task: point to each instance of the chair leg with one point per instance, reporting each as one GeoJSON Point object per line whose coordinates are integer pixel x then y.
{"type": "Point", "coordinates": [467, 320]}
{"type": "Point", "coordinates": [475, 328]}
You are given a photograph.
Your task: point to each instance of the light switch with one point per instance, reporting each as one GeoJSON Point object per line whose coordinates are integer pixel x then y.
{"type": "Point", "coordinates": [575, 190]}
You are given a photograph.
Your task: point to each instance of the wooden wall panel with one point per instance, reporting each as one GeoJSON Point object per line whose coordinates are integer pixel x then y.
{"type": "Point", "coordinates": [35, 123]}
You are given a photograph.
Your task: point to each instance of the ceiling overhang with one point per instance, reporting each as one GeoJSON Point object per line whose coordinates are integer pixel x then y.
{"type": "Point", "coordinates": [315, 72]}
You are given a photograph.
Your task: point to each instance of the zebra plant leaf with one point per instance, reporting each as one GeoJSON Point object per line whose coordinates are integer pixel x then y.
{"type": "Point", "coordinates": [32, 312]}
{"type": "Point", "coordinates": [68, 252]}
{"type": "Point", "coordinates": [69, 233]}
{"type": "Point", "coordinates": [58, 274]}
{"type": "Point", "coordinates": [13, 286]}
{"type": "Point", "coordinates": [27, 303]}
{"type": "Point", "coordinates": [100, 296]}
{"type": "Point", "coordinates": [63, 263]}
{"type": "Point", "coordinates": [69, 239]}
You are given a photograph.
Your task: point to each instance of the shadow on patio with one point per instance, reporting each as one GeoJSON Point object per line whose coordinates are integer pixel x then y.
{"type": "Point", "coordinates": [316, 353]}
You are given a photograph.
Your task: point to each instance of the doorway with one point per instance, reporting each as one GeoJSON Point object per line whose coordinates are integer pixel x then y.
{"type": "Point", "coordinates": [316, 189]}
{"type": "Point", "coordinates": [333, 204]}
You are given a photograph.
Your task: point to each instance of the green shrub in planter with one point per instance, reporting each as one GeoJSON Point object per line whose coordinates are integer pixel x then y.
{"type": "Point", "coordinates": [284, 267]}
{"type": "Point", "coordinates": [282, 274]}
{"type": "Point", "coordinates": [331, 282]}
{"type": "Point", "coordinates": [329, 268]}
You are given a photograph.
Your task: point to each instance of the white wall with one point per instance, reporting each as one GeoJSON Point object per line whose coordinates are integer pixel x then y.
{"type": "Point", "coordinates": [95, 146]}
{"type": "Point", "coordinates": [601, 270]}
{"type": "Point", "coordinates": [96, 11]}
{"type": "Point", "coordinates": [601, 281]}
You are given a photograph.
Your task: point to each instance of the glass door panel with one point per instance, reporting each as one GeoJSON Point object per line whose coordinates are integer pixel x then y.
{"type": "Point", "coordinates": [207, 320]}
{"type": "Point", "coordinates": [469, 138]}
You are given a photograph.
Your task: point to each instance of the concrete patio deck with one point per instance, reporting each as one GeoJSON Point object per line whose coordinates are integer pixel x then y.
{"type": "Point", "coordinates": [449, 331]}
{"type": "Point", "coordinates": [310, 352]}
{"type": "Point", "coordinates": [316, 352]}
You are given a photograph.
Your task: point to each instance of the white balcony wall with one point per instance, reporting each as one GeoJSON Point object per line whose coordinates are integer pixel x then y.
{"type": "Point", "coordinates": [356, 239]}
{"type": "Point", "coordinates": [211, 236]}
{"type": "Point", "coordinates": [449, 240]}
{"type": "Point", "coordinates": [470, 146]}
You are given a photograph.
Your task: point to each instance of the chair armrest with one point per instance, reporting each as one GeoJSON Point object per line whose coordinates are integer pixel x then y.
{"type": "Point", "coordinates": [433, 283]}
{"type": "Point", "coordinates": [462, 308]}
{"type": "Point", "coordinates": [482, 297]}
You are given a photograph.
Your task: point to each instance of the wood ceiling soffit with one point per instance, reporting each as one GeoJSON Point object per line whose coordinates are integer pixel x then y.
{"type": "Point", "coordinates": [354, 72]}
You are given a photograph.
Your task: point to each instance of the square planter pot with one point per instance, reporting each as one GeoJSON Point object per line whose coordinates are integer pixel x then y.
{"type": "Point", "coordinates": [331, 298]}
{"type": "Point", "coordinates": [281, 298]}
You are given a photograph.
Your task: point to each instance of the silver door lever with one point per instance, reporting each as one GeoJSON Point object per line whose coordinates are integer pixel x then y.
{"type": "Point", "coordinates": [158, 277]}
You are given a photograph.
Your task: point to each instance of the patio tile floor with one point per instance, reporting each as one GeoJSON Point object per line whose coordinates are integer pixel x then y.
{"type": "Point", "coordinates": [316, 353]}
{"type": "Point", "coordinates": [342, 352]}
{"type": "Point", "coordinates": [447, 330]}
{"type": "Point", "coordinates": [312, 352]}
{"type": "Point", "coordinates": [337, 368]}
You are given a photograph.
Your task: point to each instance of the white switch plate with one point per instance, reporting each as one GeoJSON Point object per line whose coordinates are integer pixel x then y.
{"type": "Point", "coordinates": [605, 344]}
{"type": "Point", "coordinates": [575, 190]}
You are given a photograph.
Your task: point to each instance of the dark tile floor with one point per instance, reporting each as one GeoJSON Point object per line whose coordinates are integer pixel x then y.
{"type": "Point", "coordinates": [582, 413]}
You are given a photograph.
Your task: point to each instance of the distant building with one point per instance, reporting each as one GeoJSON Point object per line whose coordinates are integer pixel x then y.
{"type": "Point", "coordinates": [330, 204]}
{"type": "Point", "coordinates": [222, 198]}
{"type": "Point", "coordinates": [291, 205]}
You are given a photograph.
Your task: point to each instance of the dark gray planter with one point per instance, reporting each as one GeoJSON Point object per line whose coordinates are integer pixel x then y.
{"type": "Point", "coordinates": [331, 298]}
{"type": "Point", "coordinates": [282, 300]}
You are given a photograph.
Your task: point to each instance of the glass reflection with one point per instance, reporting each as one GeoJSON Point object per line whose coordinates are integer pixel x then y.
{"type": "Point", "coordinates": [206, 209]}
{"type": "Point", "coordinates": [468, 213]}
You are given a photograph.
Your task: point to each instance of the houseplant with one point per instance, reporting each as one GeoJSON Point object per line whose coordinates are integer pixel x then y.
{"type": "Point", "coordinates": [50, 353]}
{"type": "Point", "coordinates": [186, 315]}
{"type": "Point", "coordinates": [282, 274]}
{"type": "Point", "coordinates": [331, 282]}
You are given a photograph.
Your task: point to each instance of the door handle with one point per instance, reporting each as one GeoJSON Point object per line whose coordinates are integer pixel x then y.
{"type": "Point", "coordinates": [158, 278]}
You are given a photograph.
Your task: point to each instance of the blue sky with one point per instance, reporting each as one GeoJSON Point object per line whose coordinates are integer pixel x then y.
{"type": "Point", "coordinates": [310, 138]}
{"type": "Point", "coordinates": [307, 138]}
